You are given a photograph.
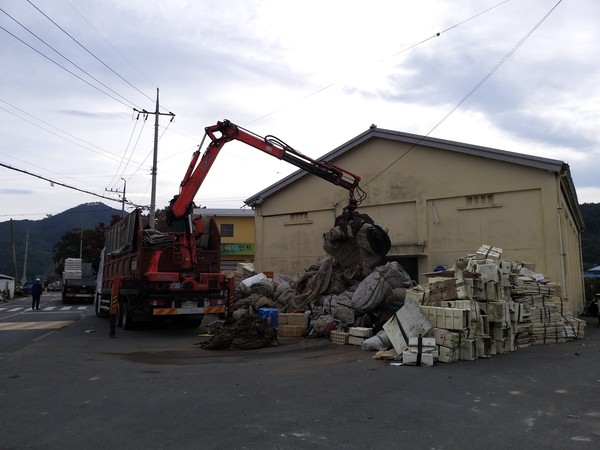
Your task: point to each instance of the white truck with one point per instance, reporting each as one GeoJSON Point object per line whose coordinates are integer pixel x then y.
{"type": "Point", "coordinates": [78, 281]}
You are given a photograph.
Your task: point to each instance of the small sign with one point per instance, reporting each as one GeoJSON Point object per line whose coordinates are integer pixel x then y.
{"type": "Point", "coordinates": [243, 248]}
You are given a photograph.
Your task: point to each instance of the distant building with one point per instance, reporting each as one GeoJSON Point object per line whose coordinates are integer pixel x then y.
{"type": "Point", "coordinates": [7, 284]}
{"type": "Point", "coordinates": [441, 200]}
{"type": "Point", "coordinates": [237, 235]}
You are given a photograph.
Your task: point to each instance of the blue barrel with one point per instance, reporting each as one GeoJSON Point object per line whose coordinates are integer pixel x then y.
{"type": "Point", "coordinates": [270, 315]}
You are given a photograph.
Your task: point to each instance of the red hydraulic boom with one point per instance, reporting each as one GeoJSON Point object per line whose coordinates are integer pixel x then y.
{"type": "Point", "coordinates": [197, 171]}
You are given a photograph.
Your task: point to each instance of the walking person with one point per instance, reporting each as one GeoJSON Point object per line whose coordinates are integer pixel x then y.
{"type": "Point", "coordinates": [36, 293]}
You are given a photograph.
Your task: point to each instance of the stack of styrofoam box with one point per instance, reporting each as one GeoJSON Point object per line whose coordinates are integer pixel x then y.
{"type": "Point", "coordinates": [408, 322]}
{"type": "Point", "coordinates": [488, 252]}
{"type": "Point", "coordinates": [448, 343]}
{"type": "Point", "coordinates": [475, 339]}
{"type": "Point", "coordinates": [449, 318]}
{"type": "Point", "coordinates": [359, 334]}
{"type": "Point", "coordinates": [500, 324]}
{"type": "Point", "coordinates": [547, 321]}
{"type": "Point", "coordinates": [421, 351]}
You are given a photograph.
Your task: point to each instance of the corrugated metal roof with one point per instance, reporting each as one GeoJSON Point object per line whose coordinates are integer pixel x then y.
{"type": "Point", "coordinates": [551, 165]}
{"type": "Point", "coordinates": [224, 212]}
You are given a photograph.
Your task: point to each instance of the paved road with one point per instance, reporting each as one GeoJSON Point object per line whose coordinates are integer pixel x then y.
{"type": "Point", "coordinates": [155, 388]}
{"type": "Point", "coordinates": [17, 315]}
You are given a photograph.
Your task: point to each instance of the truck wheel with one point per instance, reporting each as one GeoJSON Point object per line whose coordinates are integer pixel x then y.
{"type": "Point", "coordinates": [126, 320]}
{"type": "Point", "coordinates": [99, 312]}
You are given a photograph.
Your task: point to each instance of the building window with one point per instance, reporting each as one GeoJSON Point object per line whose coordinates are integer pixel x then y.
{"type": "Point", "coordinates": [226, 230]}
{"type": "Point", "coordinates": [480, 201]}
{"type": "Point", "coordinates": [300, 218]}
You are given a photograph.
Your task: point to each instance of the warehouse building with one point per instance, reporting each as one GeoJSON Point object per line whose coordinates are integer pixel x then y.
{"type": "Point", "coordinates": [439, 199]}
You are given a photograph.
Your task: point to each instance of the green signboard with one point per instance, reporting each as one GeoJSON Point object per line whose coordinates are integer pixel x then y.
{"type": "Point", "coordinates": [235, 248]}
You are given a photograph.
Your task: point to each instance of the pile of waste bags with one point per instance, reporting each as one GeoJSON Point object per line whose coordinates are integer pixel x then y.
{"type": "Point", "coordinates": [335, 296]}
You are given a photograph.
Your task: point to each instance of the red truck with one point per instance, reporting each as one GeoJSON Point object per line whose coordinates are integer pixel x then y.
{"type": "Point", "coordinates": [160, 274]}
{"type": "Point", "coordinates": [176, 275]}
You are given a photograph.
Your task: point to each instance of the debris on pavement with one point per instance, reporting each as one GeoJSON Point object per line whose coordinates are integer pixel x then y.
{"type": "Point", "coordinates": [484, 305]}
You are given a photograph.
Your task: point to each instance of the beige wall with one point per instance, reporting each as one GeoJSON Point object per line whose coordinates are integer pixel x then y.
{"type": "Point", "coordinates": [438, 205]}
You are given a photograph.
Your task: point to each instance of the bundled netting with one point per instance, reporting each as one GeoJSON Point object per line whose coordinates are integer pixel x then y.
{"type": "Point", "coordinates": [245, 333]}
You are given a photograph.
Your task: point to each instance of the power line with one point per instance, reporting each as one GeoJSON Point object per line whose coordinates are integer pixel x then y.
{"type": "Point", "coordinates": [107, 154]}
{"type": "Point", "coordinates": [88, 51]}
{"type": "Point", "coordinates": [113, 47]}
{"type": "Point", "coordinates": [472, 91]}
{"type": "Point", "coordinates": [53, 182]}
{"type": "Point", "coordinates": [63, 67]}
{"type": "Point", "coordinates": [410, 47]}
{"type": "Point", "coordinates": [63, 56]}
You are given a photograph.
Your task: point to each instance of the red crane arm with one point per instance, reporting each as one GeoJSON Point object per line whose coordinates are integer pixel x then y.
{"type": "Point", "coordinates": [196, 172]}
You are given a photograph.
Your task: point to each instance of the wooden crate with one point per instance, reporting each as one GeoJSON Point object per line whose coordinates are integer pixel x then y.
{"type": "Point", "coordinates": [291, 330]}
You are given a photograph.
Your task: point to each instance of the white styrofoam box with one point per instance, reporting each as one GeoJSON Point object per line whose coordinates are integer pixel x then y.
{"type": "Point", "coordinates": [408, 322]}
{"type": "Point", "coordinates": [447, 338]}
{"type": "Point", "coordinates": [471, 305]}
{"type": "Point", "coordinates": [449, 318]}
{"type": "Point", "coordinates": [447, 355]}
{"type": "Point", "coordinates": [442, 288]}
{"type": "Point", "coordinates": [488, 252]}
{"type": "Point", "coordinates": [482, 326]}
{"type": "Point", "coordinates": [246, 283]}
{"type": "Point", "coordinates": [355, 340]}
{"type": "Point", "coordinates": [468, 350]}
{"type": "Point", "coordinates": [410, 358]}
{"type": "Point", "coordinates": [431, 350]}
{"type": "Point", "coordinates": [361, 331]}
{"type": "Point", "coordinates": [425, 341]}
{"type": "Point", "coordinates": [500, 333]}
{"type": "Point", "coordinates": [531, 274]}
{"type": "Point", "coordinates": [483, 344]}
{"type": "Point", "coordinates": [489, 272]}
{"type": "Point", "coordinates": [418, 294]}
{"type": "Point", "coordinates": [497, 311]}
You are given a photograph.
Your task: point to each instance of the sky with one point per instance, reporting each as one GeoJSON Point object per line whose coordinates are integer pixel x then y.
{"type": "Point", "coordinates": [516, 75]}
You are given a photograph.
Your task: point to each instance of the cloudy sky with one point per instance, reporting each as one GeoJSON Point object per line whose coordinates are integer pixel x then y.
{"type": "Point", "coordinates": [518, 75]}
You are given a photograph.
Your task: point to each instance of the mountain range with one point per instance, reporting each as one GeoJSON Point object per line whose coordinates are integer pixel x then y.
{"type": "Point", "coordinates": [40, 236]}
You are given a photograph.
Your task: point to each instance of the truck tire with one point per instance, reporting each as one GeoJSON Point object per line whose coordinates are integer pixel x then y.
{"type": "Point", "coordinates": [99, 312]}
{"type": "Point", "coordinates": [126, 319]}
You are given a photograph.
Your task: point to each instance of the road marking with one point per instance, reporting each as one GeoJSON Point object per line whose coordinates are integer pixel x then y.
{"type": "Point", "coordinates": [47, 309]}
{"type": "Point", "coordinates": [42, 325]}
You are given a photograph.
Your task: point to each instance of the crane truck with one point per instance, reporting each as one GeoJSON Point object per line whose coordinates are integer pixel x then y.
{"type": "Point", "coordinates": [176, 275]}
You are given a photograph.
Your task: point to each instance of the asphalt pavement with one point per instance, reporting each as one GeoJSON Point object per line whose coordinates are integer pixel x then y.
{"type": "Point", "coordinates": [155, 388]}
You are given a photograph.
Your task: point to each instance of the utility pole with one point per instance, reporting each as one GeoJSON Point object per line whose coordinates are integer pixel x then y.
{"type": "Point", "coordinates": [24, 279]}
{"type": "Point", "coordinates": [153, 198]}
{"type": "Point", "coordinates": [14, 252]}
{"type": "Point", "coordinates": [120, 192]}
